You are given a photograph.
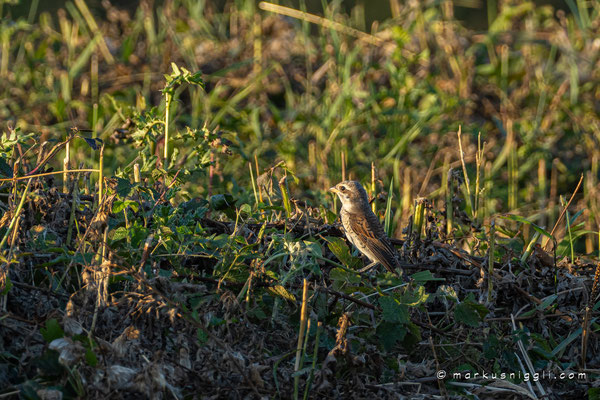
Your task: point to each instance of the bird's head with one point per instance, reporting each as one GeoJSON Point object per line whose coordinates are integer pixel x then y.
{"type": "Point", "coordinates": [352, 194]}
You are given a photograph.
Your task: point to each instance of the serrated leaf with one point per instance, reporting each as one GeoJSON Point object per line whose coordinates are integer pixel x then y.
{"type": "Point", "coordinates": [470, 313]}
{"type": "Point", "coordinates": [119, 234]}
{"type": "Point", "coordinates": [412, 337]}
{"type": "Point", "coordinates": [279, 290]}
{"type": "Point", "coordinates": [341, 275]}
{"type": "Point", "coordinates": [118, 206]}
{"type": "Point", "coordinates": [467, 315]}
{"type": "Point", "coordinates": [390, 333]}
{"type": "Point", "coordinates": [52, 331]}
{"type": "Point", "coordinates": [392, 310]}
{"type": "Point", "coordinates": [425, 276]}
{"type": "Point", "coordinates": [5, 169]}
{"type": "Point", "coordinates": [221, 202]}
{"type": "Point", "coordinates": [123, 187]}
{"type": "Point", "coordinates": [413, 298]}
{"type": "Point", "coordinates": [245, 209]}
{"type": "Point", "coordinates": [340, 249]}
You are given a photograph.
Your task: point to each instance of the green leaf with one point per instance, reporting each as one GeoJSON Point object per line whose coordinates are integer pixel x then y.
{"type": "Point", "coordinates": [547, 301]}
{"type": "Point", "coordinates": [425, 276]}
{"type": "Point", "coordinates": [341, 275]}
{"type": "Point", "coordinates": [123, 187]}
{"type": "Point", "coordinates": [518, 218]}
{"type": "Point", "coordinates": [388, 210]}
{"type": "Point", "coordinates": [175, 69]}
{"type": "Point", "coordinates": [470, 312]}
{"type": "Point", "coordinates": [90, 358]}
{"type": "Point", "coordinates": [390, 333]}
{"type": "Point", "coordinates": [414, 298]}
{"type": "Point", "coordinates": [593, 393]}
{"type": "Point", "coordinates": [52, 330]}
{"type": "Point", "coordinates": [565, 342]}
{"type": "Point", "coordinates": [340, 249]}
{"type": "Point", "coordinates": [5, 169]}
{"type": "Point", "coordinates": [574, 217]}
{"type": "Point", "coordinates": [120, 205]}
{"type": "Point", "coordinates": [221, 201]}
{"type": "Point", "coordinates": [393, 311]}
{"type": "Point", "coordinates": [413, 336]}
{"type": "Point", "coordinates": [202, 337]}
{"type": "Point", "coordinates": [245, 209]}
{"type": "Point", "coordinates": [119, 234]}
{"type": "Point", "coordinates": [279, 290]}
{"type": "Point", "coordinates": [8, 285]}
{"type": "Point", "coordinates": [491, 347]}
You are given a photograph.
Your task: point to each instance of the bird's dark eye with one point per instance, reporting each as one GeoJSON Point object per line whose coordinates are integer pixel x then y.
{"type": "Point", "coordinates": [342, 188]}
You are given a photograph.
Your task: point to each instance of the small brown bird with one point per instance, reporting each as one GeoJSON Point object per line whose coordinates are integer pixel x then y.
{"type": "Point", "coordinates": [362, 226]}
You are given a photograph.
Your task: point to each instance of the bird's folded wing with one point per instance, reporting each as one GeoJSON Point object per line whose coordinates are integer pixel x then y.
{"type": "Point", "coordinates": [370, 232]}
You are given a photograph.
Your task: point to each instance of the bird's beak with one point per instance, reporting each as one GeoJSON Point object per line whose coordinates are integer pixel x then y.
{"type": "Point", "coordinates": [333, 189]}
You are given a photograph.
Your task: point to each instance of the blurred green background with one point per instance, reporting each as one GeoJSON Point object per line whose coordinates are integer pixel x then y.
{"type": "Point", "coordinates": [326, 101]}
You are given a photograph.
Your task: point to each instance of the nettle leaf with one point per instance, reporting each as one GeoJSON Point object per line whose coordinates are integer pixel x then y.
{"type": "Point", "coordinates": [119, 234]}
{"type": "Point", "coordinates": [390, 333]}
{"type": "Point", "coordinates": [343, 276]}
{"type": "Point", "coordinates": [123, 187]}
{"type": "Point", "coordinates": [5, 169]}
{"type": "Point", "coordinates": [414, 298]}
{"type": "Point", "coordinates": [340, 249]}
{"type": "Point", "coordinates": [412, 337]}
{"type": "Point", "coordinates": [314, 248]}
{"type": "Point", "coordinates": [245, 209]}
{"type": "Point", "coordinates": [492, 347]}
{"type": "Point", "coordinates": [393, 311]}
{"type": "Point", "coordinates": [120, 205]}
{"type": "Point", "coordinates": [52, 331]}
{"type": "Point", "coordinates": [470, 312]}
{"type": "Point", "coordinates": [467, 315]}
{"type": "Point", "coordinates": [425, 276]}
{"type": "Point", "coordinates": [138, 234]}
{"type": "Point", "coordinates": [279, 290]}
{"type": "Point", "coordinates": [222, 202]}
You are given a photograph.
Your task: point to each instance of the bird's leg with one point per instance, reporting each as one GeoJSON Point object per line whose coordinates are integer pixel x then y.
{"type": "Point", "coordinates": [368, 267]}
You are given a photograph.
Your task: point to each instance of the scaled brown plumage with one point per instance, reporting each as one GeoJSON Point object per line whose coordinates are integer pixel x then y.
{"type": "Point", "coordinates": [362, 226]}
